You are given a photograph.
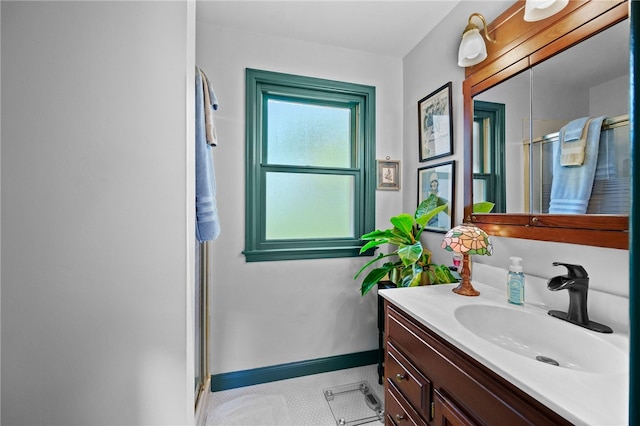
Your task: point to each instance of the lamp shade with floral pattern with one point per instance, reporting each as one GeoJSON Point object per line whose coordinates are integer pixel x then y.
{"type": "Point", "coordinates": [467, 240]}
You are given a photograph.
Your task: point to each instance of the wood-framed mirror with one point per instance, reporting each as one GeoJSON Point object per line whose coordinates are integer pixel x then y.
{"type": "Point", "coordinates": [518, 57]}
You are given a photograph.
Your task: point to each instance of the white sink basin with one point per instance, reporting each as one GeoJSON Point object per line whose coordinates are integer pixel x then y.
{"type": "Point", "coordinates": [542, 337]}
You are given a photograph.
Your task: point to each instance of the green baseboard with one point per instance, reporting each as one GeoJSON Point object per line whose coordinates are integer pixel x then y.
{"type": "Point", "coordinates": [237, 379]}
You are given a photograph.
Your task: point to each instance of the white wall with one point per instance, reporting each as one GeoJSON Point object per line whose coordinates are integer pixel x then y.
{"type": "Point", "coordinates": [95, 234]}
{"type": "Point", "coordinates": [610, 98]}
{"type": "Point", "coordinates": [270, 313]}
{"type": "Point", "coordinates": [432, 63]}
{"type": "Point", "coordinates": [429, 65]}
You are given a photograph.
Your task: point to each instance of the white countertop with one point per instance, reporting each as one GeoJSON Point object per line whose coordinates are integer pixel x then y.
{"type": "Point", "coordinates": [583, 398]}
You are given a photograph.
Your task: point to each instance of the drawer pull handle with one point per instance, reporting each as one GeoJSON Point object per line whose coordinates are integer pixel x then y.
{"type": "Point", "coordinates": [400, 377]}
{"type": "Point", "coordinates": [400, 417]}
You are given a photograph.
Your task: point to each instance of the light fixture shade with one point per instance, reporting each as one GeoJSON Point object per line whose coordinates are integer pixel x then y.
{"type": "Point", "coordinates": [536, 10]}
{"type": "Point", "coordinates": [467, 239]}
{"type": "Point", "coordinates": [472, 49]}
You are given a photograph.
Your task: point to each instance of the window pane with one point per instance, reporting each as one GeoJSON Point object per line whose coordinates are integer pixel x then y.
{"type": "Point", "coordinates": [308, 135]}
{"type": "Point", "coordinates": [479, 190]}
{"type": "Point", "coordinates": [300, 206]}
{"type": "Point", "coordinates": [483, 148]}
{"type": "Point", "coordinates": [487, 145]}
{"type": "Point", "coordinates": [477, 158]}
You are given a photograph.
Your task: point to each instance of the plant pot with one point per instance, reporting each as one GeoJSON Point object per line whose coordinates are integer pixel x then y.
{"type": "Point", "coordinates": [383, 285]}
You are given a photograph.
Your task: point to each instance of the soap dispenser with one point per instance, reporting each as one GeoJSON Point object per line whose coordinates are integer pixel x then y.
{"type": "Point", "coordinates": [515, 281]}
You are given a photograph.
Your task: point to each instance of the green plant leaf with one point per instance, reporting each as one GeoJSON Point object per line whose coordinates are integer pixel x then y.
{"type": "Point", "coordinates": [426, 254]}
{"type": "Point", "coordinates": [372, 279]}
{"type": "Point", "coordinates": [400, 237]}
{"type": "Point", "coordinates": [403, 224]}
{"type": "Point", "coordinates": [440, 274]}
{"type": "Point", "coordinates": [432, 275]}
{"type": "Point", "coordinates": [416, 280]}
{"type": "Point", "coordinates": [406, 281]}
{"type": "Point", "coordinates": [449, 275]}
{"type": "Point", "coordinates": [377, 234]}
{"type": "Point", "coordinates": [423, 215]}
{"type": "Point", "coordinates": [409, 254]}
{"type": "Point", "coordinates": [441, 277]}
{"type": "Point", "coordinates": [366, 265]}
{"type": "Point", "coordinates": [404, 275]}
{"type": "Point", "coordinates": [372, 244]}
{"type": "Point", "coordinates": [483, 207]}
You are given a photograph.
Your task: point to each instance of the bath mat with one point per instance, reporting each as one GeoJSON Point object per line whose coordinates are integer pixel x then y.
{"type": "Point", "coordinates": [249, 410]}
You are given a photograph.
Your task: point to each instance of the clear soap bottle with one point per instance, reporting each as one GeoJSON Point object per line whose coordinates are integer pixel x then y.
{"type": "Point", "coordinates": [515, 281]}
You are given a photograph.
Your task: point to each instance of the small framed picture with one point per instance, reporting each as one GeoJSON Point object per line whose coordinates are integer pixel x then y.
{"type": "Point", "coordinates": [388, 175]}
{"type": "Point", "coordinates": [436, 184]}
{"type": "Point", "coordinates": [435, 124]}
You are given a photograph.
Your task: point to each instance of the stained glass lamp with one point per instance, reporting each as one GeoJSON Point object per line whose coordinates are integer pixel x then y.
{"type": "Point", "coordinates": [467, 240]}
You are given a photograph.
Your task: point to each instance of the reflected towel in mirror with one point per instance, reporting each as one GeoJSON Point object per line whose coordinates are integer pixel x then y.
{"type": "Point", "coordinates": [571, 185]}
{"type": "Point", "coordinates": [573, 142]}
{"type": "Point", "coordinates": [606, 168]}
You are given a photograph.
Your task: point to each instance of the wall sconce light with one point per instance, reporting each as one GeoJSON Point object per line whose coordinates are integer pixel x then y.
{"type": "Point", "coordinates": [472, 48]}
{"type": "Point", "coordinates": [536, 10]}
{"type": "Point", "coordinates": [467, 239]}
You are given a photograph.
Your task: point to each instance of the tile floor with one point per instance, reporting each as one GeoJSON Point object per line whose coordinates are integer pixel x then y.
{"type": "Point", "coordinates": [300, 401]}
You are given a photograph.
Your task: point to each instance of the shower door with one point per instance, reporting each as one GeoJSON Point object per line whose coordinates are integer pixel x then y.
{"type": "Point", "coordinates": [201, 315]}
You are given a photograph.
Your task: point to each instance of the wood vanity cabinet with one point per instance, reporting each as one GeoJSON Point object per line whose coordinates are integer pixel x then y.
{"type": "Point", "coordinates": [430, 382]}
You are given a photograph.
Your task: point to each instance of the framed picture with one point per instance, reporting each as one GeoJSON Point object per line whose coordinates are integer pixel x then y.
{"type": "Point", "coordinates": [437, 185]}
{"type": "Point", "coordinates": [388, 174]}
{"type": "Point", "coordinates": [435, 124]}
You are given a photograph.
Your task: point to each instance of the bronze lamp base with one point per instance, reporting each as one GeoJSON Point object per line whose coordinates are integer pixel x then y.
{"type": "Point", "coordinates": [465, 288]}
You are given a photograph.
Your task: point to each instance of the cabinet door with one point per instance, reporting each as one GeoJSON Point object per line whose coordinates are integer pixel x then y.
{"type": "Point", "coordinates": [447, 414]}
{"type": "Point", "coordinates": [399, 411]}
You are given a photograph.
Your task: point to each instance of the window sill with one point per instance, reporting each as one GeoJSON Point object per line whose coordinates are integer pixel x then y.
{"type": "Point", "coordinates": [302, 253]}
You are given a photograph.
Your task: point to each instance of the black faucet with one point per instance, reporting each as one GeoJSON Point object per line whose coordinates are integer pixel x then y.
{"type": "Point", "coordinates": [577, 283]}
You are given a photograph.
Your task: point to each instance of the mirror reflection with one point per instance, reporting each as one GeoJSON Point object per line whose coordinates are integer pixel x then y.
{"type": "Point", "coordinates": [574, 107]}
{"type": "Point", "coordinates": [501, 117]}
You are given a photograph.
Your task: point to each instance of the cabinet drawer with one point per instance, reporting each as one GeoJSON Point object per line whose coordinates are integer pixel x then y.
{"type": "Point", "coordinates": [398, 410]}
{"type": "Point", "coordinates": [414, 386]}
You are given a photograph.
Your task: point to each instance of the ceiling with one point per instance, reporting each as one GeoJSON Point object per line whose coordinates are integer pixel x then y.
{"type": "Point", "coordinates": [383, 27]}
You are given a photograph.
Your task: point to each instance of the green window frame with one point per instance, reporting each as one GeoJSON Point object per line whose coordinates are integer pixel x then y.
{"type": "Point", "coordinates": [263, 86]}
{"type": "Point", "coordinates": [490, 117]}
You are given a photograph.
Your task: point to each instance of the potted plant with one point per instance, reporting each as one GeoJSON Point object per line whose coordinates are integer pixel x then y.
{"type": "Point", "coordinates": [412, 265]}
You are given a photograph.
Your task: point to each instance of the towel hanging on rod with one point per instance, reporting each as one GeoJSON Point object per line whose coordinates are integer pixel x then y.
{"type": "Point", "coordinates": [573, 142]}
{"type": "Point", "coordinates": [207, 222]}
{"type": "Point", "coordinates": [571, 186]}
{"type": "Point", "coordinates": [210, 105]}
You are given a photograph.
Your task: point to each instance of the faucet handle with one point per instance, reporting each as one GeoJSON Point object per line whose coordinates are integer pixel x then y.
{"type": "Point", "coordinates": [574, 271]}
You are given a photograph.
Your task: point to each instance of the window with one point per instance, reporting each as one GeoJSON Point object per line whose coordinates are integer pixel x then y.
{"type": "Point", "coordinates": [489, 152]}
{"type": "Point", "coordinates": [310, 167]}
